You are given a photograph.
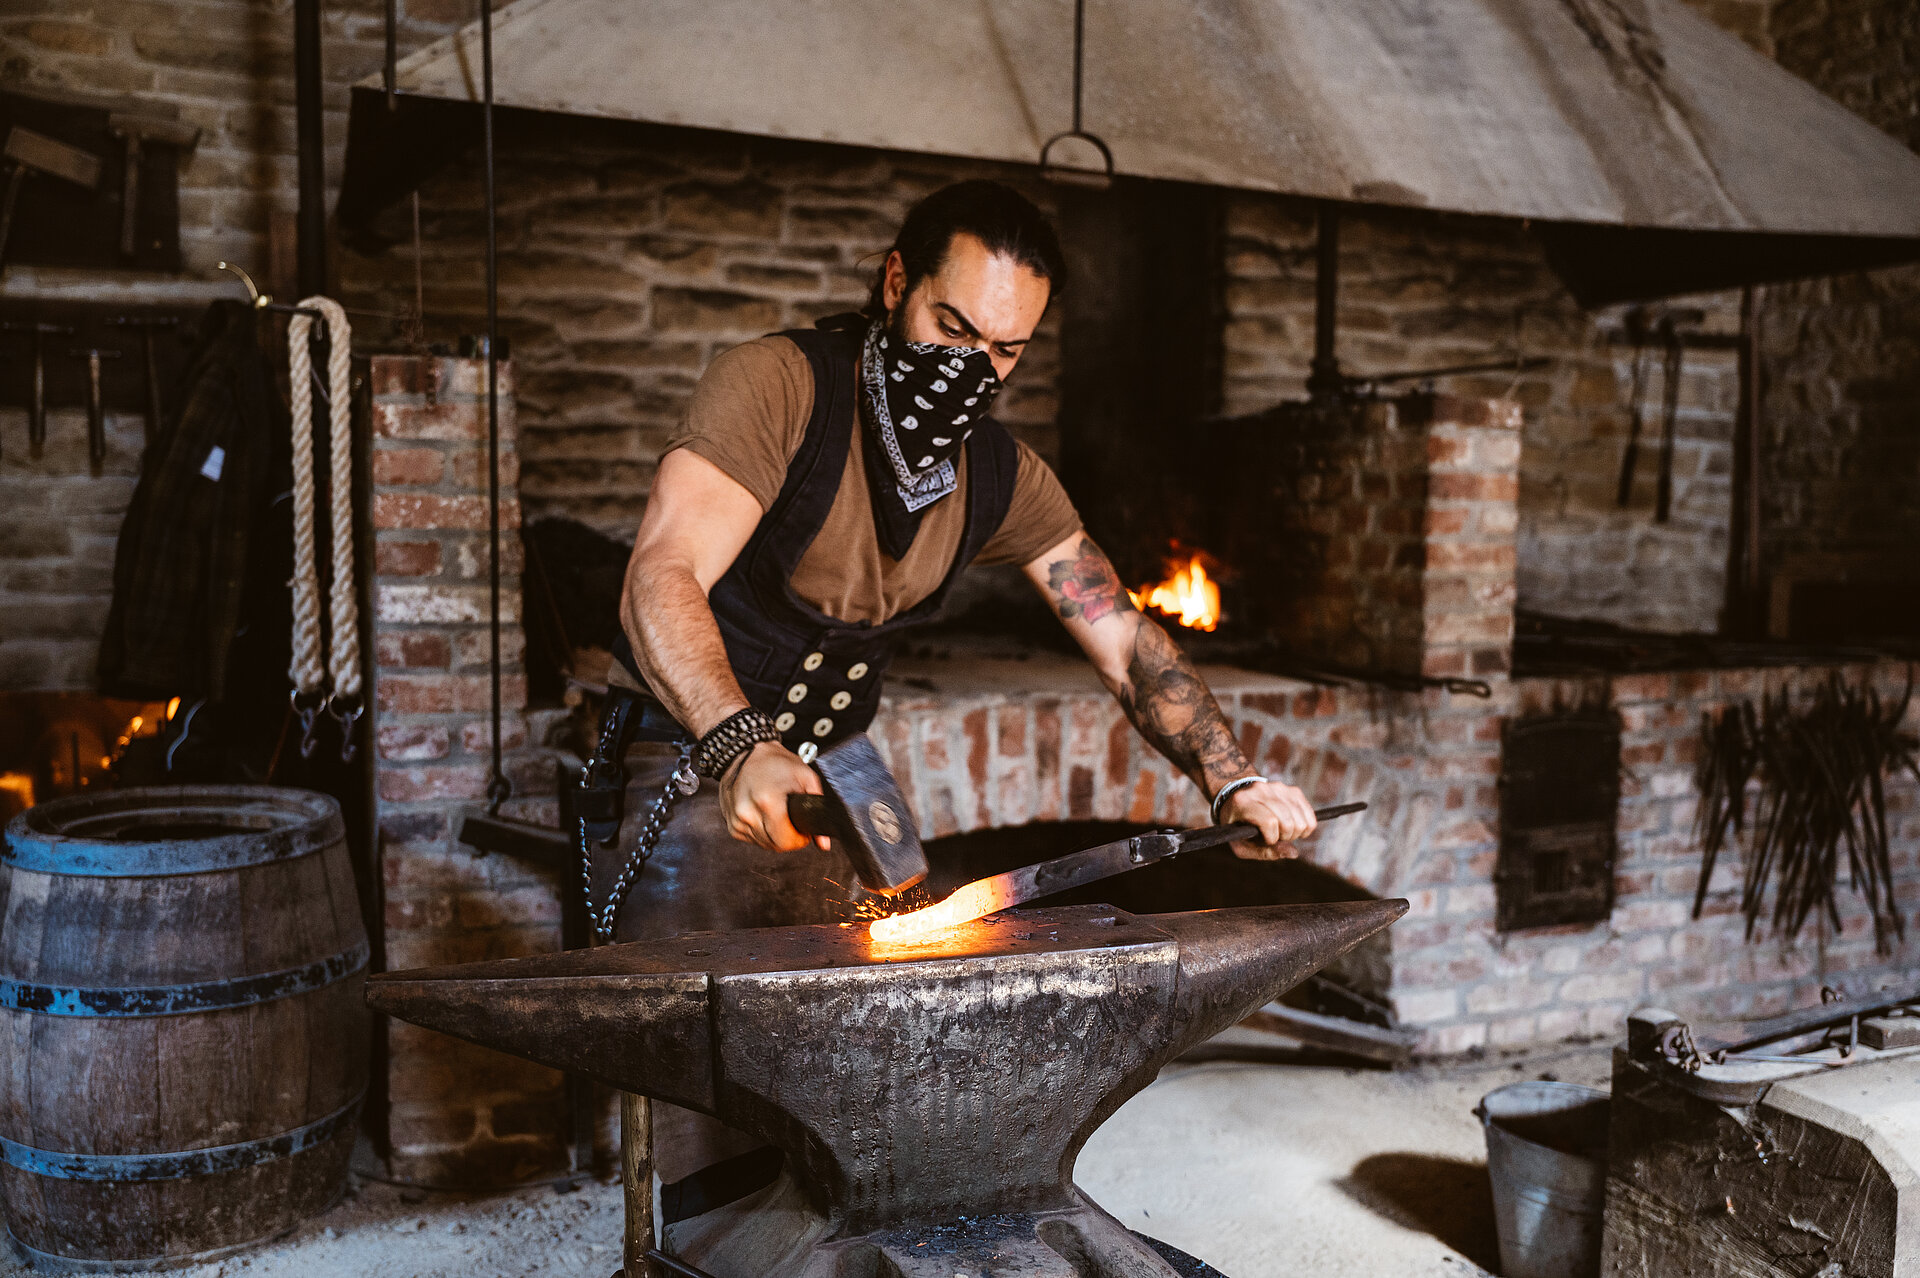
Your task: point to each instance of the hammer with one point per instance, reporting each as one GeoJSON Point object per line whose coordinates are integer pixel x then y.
{"type": "Point", "coordinates": [37, 398]}
{"type": "Point", "coordinates": [864, 814]}
{"type": "Point", "coordinates": [135, 130]}
{"type": "Point", "coordinates": [96, 405]}
{"type": "Point", "coordinates": [146, 324]}
{"type": "Point", "coordinates": [33, 152]}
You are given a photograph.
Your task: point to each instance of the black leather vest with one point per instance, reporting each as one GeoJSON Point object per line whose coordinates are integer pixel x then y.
{"type": "Point", "coordinates": [818, 676]}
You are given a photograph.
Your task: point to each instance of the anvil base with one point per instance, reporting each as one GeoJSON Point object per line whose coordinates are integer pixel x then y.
{"type": "Point", "coordinates": [776, 1233]}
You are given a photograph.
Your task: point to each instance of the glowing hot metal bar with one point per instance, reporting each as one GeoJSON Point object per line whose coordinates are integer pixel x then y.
{"type": "Point", "coordinates": [987, 896]}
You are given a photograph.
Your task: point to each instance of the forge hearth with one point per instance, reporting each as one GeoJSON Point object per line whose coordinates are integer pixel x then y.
{"type": "Point", "coordinates": [930, 1099]}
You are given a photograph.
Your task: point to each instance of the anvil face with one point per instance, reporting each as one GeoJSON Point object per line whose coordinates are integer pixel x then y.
{"type": "Point", "coordinates": [908, 1086]}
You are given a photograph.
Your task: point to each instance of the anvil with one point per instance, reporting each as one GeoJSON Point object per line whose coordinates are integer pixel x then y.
{"type": "Point", "coordinates": [930, 1099]}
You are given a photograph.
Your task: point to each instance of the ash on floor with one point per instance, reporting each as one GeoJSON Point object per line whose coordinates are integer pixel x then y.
{"type": "Point", "coordinates": [1259, 1170]}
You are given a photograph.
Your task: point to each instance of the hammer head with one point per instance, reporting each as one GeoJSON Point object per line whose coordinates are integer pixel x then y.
{"type": "Point", "coordinates": [864, 814]}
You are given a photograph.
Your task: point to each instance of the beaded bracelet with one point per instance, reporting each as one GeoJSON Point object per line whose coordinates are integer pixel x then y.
{"type": "Point", "coordinates": [730, 738]}
{"type": "Point", "coordinates": [1227, 792]}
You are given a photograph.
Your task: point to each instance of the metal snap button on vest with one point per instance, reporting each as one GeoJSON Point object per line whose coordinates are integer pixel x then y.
{"type": "Point", "coordinates": [797, 693]}
{"type": "Point", "coordinates": [841, 700]}
{"type": "Point", "coordinates": [784, 722]}
{"type": "Point", "coordinates": [813, 661]}
{"type": "Point", "coordinates": [857, 671]}
{"type": "Point", "coordinates": [807, 751]}
{"type": "Point", "coordinates": [821, 727]}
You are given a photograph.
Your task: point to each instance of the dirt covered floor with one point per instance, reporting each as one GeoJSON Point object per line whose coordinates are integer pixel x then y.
{"type": "Point", "coordinates": [1261, 1170]}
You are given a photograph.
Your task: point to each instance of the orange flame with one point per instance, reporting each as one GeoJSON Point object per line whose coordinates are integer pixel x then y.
{"type": "Point", "coordinates": [976, 900]}
{"type": "Point", "coordinates": [1188, 594]}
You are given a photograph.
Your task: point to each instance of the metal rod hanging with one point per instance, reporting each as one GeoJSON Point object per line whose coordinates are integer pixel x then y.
{"type": "Point", "coordinates": [498, 787]}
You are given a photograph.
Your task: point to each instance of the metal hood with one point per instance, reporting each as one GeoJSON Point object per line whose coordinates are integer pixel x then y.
{"type": "Point", "coordinates": [1615, 123]}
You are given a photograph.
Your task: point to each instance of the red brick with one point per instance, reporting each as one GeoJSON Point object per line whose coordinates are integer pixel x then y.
{"type": "Point", "coordinates": [1080, 793]}
{"type": "Point", "coordinates": [411, 785]}
{"type": "Point", "coordinates": [412, 742]}
{"type": "Point", "coordinates": [412, 650]}
{"type": "Point", "coordinates": [446, 694]}
{"type": "Point", "coordinates": [442, 421]}
{"type": "Point", "coordinates": [403, 466]}
{"type": "Point", "coordinates": [1473, 488]}
{"type": "Point", "coordinates": [406, 558]}
{"type": "Point", "coordinates": [1119, 753]}
{"type": "Point", "coordinates": [1011, 721]}
{"type": "Point", "coordinates": [428, 510]}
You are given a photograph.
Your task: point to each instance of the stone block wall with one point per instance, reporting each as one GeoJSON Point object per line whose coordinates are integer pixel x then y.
{"type": "Point", "coordinates": [1420, 292]}
{"type": "Point", "coordinates": [631, 256]}
{"type": "Point", "coordinates": [1841, 357]}
{"type": "Point", "coordinates": [457, 1114]}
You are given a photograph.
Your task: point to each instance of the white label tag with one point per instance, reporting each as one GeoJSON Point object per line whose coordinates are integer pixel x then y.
{"type": "Point", "coordinates": [215, 463]}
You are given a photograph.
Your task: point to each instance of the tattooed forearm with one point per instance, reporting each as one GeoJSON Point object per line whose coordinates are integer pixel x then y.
{"type": "Point", "coordinates": [1164, 696]}
{"type": "Point", "coordinates": [1085, 586]}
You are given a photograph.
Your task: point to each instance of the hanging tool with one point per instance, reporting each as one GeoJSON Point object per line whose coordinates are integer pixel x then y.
{"type": "Point", "coordinates": [135, 131]}
{"type": "Point", "coordinates": [96, 405]}
{"type": "Point", "coordinates": [1630, 460]}
{"type": "Point", "coordinates": [1670, 414]}
{"type": "Point", "coordinates": [146, 324]}
{"type": "Point", "coordinates": [37, 398]}
{"type": "Point", "coordinates": [31, 152]}
{"type": "Point", "coordinates": [1031, 882]}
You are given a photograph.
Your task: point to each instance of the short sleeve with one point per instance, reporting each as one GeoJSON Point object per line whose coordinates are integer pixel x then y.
{"type": "Point", "coordinates": [1040, 517]}
{"type": "Point", "coordinates": [749, 414]}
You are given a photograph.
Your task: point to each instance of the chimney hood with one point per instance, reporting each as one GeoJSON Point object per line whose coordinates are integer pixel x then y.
{"type": "Point", "coordinates": [1653, 152]}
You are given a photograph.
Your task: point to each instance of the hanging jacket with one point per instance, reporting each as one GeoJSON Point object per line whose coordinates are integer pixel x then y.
{"type": "Point", "coordinates": [181, 566]}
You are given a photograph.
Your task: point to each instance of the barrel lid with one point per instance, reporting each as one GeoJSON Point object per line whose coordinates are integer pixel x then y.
{"type": "Point", "coordinates": [162, 830]}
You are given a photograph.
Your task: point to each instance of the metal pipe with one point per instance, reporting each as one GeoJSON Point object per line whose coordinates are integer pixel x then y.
{"type": "Point", "coordinates": [1324, 379]}
{"type": "Point", "coordinates": [311, 140]}
{"type": "Point", "coordinates": [498, 787]}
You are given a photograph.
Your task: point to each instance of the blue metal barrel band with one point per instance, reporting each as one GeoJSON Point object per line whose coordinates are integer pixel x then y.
{"type": "Point", "coordinates": [124, 1168]}
{"type": "Point", "coordinates": [86, 835]}
{"type": "Point", "coordinates": [176, 1000]}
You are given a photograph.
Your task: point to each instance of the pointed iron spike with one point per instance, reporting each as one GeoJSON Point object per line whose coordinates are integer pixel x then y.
{"type": "Point", "coordinates": [645, 1033]}
{"type": "Point", "coordinates": [1234, 961]}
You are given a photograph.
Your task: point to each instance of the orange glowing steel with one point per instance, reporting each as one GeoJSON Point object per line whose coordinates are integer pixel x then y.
{"type": "Point", "coordinates": [975, 900]}
{"type": "Point", "coordinates": [1188, 594]}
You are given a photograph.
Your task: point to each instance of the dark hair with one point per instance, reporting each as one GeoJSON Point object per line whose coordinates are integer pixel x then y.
{"type": "Point", "coordinates": [999, 216]}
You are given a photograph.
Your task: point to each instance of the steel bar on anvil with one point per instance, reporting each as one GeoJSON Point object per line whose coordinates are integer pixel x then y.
{"type": "Point", "coordinates": [909, 1087]}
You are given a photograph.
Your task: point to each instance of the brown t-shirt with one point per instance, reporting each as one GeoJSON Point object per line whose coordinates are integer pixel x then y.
{"type": "Point", "coordinates": [748, 417]}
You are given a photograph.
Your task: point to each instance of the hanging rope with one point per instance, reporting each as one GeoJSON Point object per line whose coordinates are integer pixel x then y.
{"type": "Point", "coordinates": [342, 662]}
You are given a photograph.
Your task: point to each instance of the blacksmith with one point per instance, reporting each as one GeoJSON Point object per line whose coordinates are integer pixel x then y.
{"type": "Point", "coordinates": [819, 501]}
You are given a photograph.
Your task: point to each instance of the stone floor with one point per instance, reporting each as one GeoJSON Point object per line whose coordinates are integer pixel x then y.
{"type": "Point", "coordinates": [1263, 1170]}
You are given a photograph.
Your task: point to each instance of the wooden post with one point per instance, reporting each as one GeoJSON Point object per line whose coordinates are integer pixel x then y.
{"type": "Point", "coordinates": [636, 1180]}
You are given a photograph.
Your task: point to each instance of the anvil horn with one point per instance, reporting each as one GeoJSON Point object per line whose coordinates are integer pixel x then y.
{"type": "Point", "coordinates": [1232, 961]}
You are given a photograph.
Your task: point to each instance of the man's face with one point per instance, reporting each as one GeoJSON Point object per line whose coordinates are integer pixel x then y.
{"type": "Point", "coordinates": [977, 298]}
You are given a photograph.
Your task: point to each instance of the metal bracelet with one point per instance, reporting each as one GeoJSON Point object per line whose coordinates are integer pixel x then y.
{"type": "Point", "coordinates": [732, 737]}
{"type": "Point", "coordinates": [1227, 792]}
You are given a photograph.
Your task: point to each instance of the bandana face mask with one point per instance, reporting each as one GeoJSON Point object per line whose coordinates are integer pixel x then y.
{"type": "Point", "coordinates": [923, 401]}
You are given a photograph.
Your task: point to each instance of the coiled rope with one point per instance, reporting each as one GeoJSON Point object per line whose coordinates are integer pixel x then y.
{"type": "Point", "coordinates": [342, 662]}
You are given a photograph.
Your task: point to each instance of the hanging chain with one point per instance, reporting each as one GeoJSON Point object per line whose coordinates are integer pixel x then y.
{"type": "Point", "coordinates": [684, 782]}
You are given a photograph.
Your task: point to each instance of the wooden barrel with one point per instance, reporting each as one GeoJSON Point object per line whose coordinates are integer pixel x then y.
{"type": "Point", "coordinates": [182, 1019]}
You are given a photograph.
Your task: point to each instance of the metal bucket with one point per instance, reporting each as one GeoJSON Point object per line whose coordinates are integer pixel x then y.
{"type": "Point", "coordinates": [1547, 1157]}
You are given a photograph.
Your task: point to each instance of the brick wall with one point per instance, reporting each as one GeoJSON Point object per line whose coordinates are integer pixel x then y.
{"type": "Point", "coordinates": [458, 1114]}
{"type": "Point", "coordinates": [1841, 357]}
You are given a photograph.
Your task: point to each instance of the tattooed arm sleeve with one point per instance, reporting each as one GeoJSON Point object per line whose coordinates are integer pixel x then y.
{"type": "Point", "coordinates": [1147, 673]}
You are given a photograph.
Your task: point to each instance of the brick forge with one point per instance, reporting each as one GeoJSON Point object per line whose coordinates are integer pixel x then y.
{"type": "Point", "coordinates": [1414, 507]}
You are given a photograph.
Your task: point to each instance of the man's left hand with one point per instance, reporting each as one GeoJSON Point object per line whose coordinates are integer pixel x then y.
{"type": "Point", "coordinates": [1280, 812]}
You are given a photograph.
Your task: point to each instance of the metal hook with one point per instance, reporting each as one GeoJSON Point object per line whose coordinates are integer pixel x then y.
{"type": "Point", "coordinates": [308, 713]}
{"type": "Point", "coordinates": [349, 744]}
{"type": "Point", "coordinates": [254, 295]}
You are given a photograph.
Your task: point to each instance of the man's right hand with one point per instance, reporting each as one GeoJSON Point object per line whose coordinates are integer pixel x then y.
{"type": "Point", "coordinates": [753, 794]}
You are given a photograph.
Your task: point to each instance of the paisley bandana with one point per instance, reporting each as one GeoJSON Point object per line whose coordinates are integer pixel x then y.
{"type": "Point", "coordinates": [921, 403]}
